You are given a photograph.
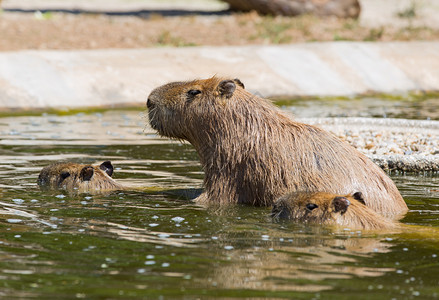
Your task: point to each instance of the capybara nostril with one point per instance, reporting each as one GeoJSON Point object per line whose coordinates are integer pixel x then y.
{"type": "Point", "coordinates": [149, 104]}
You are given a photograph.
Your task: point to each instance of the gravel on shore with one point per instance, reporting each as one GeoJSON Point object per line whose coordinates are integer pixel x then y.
{"type": "Point", "coordinates": [393, 144]}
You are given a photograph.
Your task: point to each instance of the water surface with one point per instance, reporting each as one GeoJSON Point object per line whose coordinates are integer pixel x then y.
{"type": "Point", "coordinates": [153, 242]}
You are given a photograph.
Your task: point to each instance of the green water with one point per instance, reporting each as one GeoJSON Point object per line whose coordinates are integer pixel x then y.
{"type": "Point", "coordinates": [154, 243]}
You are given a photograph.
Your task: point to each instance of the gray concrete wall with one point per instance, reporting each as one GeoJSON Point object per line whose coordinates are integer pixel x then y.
{"type": "Point", "coordinates": [56, 79]}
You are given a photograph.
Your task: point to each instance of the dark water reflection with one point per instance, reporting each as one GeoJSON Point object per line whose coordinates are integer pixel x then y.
{"type": "Point", "coordinates": [153, 242]}
{"type": "Point", "coordinates": [425, 109]}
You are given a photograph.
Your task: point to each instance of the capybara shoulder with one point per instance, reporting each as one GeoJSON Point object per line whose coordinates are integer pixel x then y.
{"type": "Point", "coordinates": [252, 153]}
{"type": "Point", "coordinates": [79, 178]}
{"type": "Point", "coordinates": [329, 209]}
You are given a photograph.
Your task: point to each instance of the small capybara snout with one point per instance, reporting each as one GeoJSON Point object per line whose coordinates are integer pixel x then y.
{"type": "Point", "coordinates": [149, 103]}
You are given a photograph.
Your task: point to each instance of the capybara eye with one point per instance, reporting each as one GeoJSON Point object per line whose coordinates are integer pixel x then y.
{"type": "Point", "coordinates": [64, 175]}
{"type": "Point", "coordinates": [311, 206]}
{"type": "Point", "coordinates": [193, 93]}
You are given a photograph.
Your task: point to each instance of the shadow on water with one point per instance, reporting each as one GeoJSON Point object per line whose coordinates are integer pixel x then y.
{"type": "Point", "coordinates": [152, 241]}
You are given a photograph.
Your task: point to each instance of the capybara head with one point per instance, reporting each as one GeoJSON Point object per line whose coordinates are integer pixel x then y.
{"type": "Point", "coordinates": [178, 109]}
{"type": "Point", "coordinates": [329, 209]}
{"type": "Point", "coordinates": [252, 153]}
{"type": "Point", "coordinates": [78, 177]}
{"type": "Point", "coordinates": [310, 207]}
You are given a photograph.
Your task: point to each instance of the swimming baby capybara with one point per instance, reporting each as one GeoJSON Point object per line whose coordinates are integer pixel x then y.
{"type": "Point", "coordinates": [79, 178]}
{"type": "Point", "coordinates": [252, 153]}
{"type": "Point", "coordinates": [329, 209]}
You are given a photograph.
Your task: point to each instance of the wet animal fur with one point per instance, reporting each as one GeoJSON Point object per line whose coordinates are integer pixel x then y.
{"type": "Point", "coordinates": [329, 209]}
{"type": "Point", "coordinates": [78, 178]}
{"type": "Point", "coordinates": [252, 153]}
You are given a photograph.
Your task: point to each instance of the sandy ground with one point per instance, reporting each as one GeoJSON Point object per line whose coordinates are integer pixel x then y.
{"type": "Point", "coordinates": [139, 23]}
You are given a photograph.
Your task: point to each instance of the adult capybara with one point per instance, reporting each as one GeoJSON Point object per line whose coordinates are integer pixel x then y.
{"type": "Point", "coordinates": [252, 153]}
{"type": "Point", "coordinates": [330, 209]}
{"type": "Point", "coordinates": [79, 178]}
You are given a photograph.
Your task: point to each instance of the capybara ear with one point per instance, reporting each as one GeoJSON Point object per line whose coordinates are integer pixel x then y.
{"type": "Point", "coordinates": [107, 167]}
{"type": "Point", "coordinates": [239, 82]}
{"type": "Point", "coordinates": [341, 204]}
{"type": "Point", "coordinates": [226, 88]}
{"type": "Point", "coordinates": [86, 173]}
{"type": "Point", "coordinates": [359, 197]}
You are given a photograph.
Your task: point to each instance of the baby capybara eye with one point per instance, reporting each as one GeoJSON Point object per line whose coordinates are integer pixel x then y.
{"type": "Point", "coordinates": [64, 175]}
{"type": "Point", "coordinates": [193, 93]}
{"type": "Point", "coordinates": [311, 206]}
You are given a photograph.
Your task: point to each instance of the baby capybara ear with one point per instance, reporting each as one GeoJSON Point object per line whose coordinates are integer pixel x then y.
{"type": "Point", "coordinates": [86, 173]}
{"type": "Point", "coordinates": [239, 82]}
{"type": "Point", "coordinates": [359, 197]}
{"type": "Point", "coordinates": [341, 204]}
{"type": "Point", "coordinates": [226, 88]}
{"type": "Point", "coordinates": [107, 167]}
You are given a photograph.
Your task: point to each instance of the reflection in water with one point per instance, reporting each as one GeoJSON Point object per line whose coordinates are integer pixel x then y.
{"type": "Point", "coordinates": [154, 242]}
{"type": "Point", "coordinates": [301, 262]}
{"type": "Point", "coordinates": [115, 136]}
{"type": "Point", "coordinates": [13, 210]}
{"type": "Point", "coordinates": [274, 257]}
{"type": "Point", "coordinates": [426, 109]}
{"type": "Point", "coordinates": [79, 129]}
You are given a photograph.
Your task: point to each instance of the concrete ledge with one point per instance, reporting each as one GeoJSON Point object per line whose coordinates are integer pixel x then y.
{"type": "Point", "coordinates": [119, 6]}
{"type": "Point", "coordinates": [56, 79]}
{"type": "Point", "coordinates": [412, 163]}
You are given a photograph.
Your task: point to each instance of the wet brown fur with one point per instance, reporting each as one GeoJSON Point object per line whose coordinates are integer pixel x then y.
{"type": "Point", "coordinates": [252, 153]}
{"type": "Point", "coordinates": [325, 210]}
{"type": "Point", "coordinates": [75, 177]}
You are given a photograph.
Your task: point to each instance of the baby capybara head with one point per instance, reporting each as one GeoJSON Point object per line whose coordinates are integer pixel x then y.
{"type": "Point", "coordinates": [312, 207]}
{"type": "Point", "coordinates": [178, 109]}
{"type": "Point", "coordinates": [78, 177]}
{"type": "Point", "coordinates": [330, 209]}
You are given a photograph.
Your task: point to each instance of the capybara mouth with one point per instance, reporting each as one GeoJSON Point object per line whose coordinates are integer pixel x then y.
{"type": "Point", "coordinates": [154, 119]}
{"type": "Point", "coordinates": [152, 114]}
